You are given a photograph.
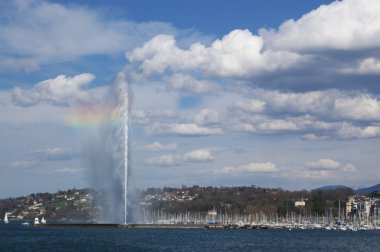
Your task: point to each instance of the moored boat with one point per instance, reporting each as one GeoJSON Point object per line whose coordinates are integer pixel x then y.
{"type": "Point", "coordinates": [6, 218]}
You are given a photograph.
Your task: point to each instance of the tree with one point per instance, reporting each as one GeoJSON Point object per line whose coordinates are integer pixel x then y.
{"type": "Point", "coordinates": [318, 203]}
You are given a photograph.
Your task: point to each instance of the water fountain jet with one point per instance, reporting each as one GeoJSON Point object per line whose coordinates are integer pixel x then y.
{"type": "Point", "coordinates": [108, 154]}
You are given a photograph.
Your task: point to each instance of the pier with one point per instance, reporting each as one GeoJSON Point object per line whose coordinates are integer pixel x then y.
{"type": "Point", "coordinates": [113, 225]}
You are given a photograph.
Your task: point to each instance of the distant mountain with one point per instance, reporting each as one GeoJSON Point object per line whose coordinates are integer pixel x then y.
{"type": "Point", "coordinates": [331, 187]}
{"type": "Point", "coordinates": [367, 190]}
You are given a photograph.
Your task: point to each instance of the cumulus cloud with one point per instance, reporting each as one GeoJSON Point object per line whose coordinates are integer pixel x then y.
{"type": "Point", "coordinates": [322, 49]}
{"type": "Point", "coordinates": [317, 115]}
{"type": "Point", "coordinates": [182, 129]}
{"type": "Point", "coordinates": [250, 105]}
{"type": "Point", "coordinates": [237, 54]}
{"type": "Point", "coordinates": [185, 83]}
{"type": "Point", "coordinates": [313, 137]}
{"type": "Point", "coordinates": [360, 107]}
{"type": "Point", "coordinates": [200, 155]}
{"type": "Point", "coordinates": [277, 125]}
{"type": "Point", "coordinates": [365, 66]}
{"type": "Point", "coordinates": [52, 154]}
{"type": "Point", "coordinates": [349, 131]}
{"type": "Point", "coordinates": [341, 25]}
{"type": "Point", "coordinates": [164, 160]}
{"type": "Point", "coordinates": [44, 32]}
{"type": "Point", "coordinates": [327, 165]}
{"type": "Point", "coordinates": [249, 168]}
{"type": "Point", "coordinates": [146, 116]}
{"type": "Point", "coordinates": [207, 117]}
{"type": "Point", "coordinates": [265, 125]}
{"type": "Point", "coordinates": [157, 146]}
{"type": "Point", "coordinates": [326, 103]}
{"type": "Point", "coordinates": [349, 168]}
{"type": "Point", "coordinates": [323, 164]}
{"type": "Point", "coordinates": [62, 91]}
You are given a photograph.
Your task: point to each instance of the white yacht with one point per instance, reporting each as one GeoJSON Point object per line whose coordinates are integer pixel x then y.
{"type": "Point", "coordinates": [36, 221]}
{"type": "Point", "coordinates": [6, 218]}
{"type": "Point", "coordinates": [43, 221]}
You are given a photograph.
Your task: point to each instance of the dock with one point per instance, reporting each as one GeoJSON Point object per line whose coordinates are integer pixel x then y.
{"type": "Point", "coordinates": [113, 225]}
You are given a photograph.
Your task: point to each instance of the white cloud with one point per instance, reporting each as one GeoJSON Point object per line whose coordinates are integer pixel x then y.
{"type": "Point", "coordinates": [365, 66]}
{"type": "Point", "coordinates": [249, 168]}
{"type": "Point", "coordinates": [349, 168]}
{"type": "Point", "coordinates": [200, 155]}
{"type": "Point", "coordinates": [312, 174]}
{"type": "Point", "coordinates": [187, 84]}
{"type": "Point", "coordinates": [12, 64]}
{"type": "Point", "coordinates": [252, 105]}
{"type": "Point", "coordinates": [68, 170]}
{"type": "Point", "coordinates": [262, 124]}
{"type": "Point", "coordinates": [369, 66]}
{"type": "Point", "coordinates": [157, 146]}
{"type": "Point", "coordinates": [345, 25]}
{"type": "Point", "coordinates": [316, 102]}
{"type": "Point", "coordinates": [327, 103]}
{"type": "Point", "coordinates": [349, 131]}
{"type": "Point", "coordinates": [164, 160]}
{"type": "Point", "coordinates": [62, 91]}
{"type": "Point", "coordinates": [54, 154]}
{"type": "Point", "coordinates": [237, 54]}
{"type": "Point", "coordinates": [146, 116]}
{"type": "Point", "coordinates": [23, 164]}
{"type": "Point", "coordinates": [277, 125]}
{"type": "Point", "coordinates": [342, 25]}
{"type": "Point", "coordinates": [323, 164]}
{"type": "Point", "coordinates": [246, 127]}
{"type": "Point", "coordinates": [360, 107]}
{"type": "Point", "coordinates": [313, 137]}
{"type": "Point", "coordinates": [45, 32]}
{"type": "Point", "coordinates": [207, 117]}
{"type": "Point", "coordinates": [182, 129]}
{"type": "Point", "coordinates": [318, 115]}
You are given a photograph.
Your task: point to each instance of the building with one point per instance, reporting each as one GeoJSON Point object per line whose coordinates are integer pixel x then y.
{"type": "Point", "coordinates": [300, 203]}
{"type": "Point", "coordinates": [362, 207]}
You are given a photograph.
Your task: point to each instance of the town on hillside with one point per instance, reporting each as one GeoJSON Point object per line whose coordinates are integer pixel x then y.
{"type": "Point", "coordinates": [246, 204]}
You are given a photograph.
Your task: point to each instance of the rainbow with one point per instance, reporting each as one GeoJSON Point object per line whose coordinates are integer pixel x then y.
{"type": "Point", "coordinates": [90, 117]}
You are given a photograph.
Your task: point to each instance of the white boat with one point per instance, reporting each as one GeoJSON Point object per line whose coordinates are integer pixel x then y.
{"type": "Point", "coordinates": [6, 218]}
{"type": "Point", "coordinates": [36, 221]}
{"type": "Point", "coordinates": [25, 223]}
{"type": "Point", "coordinates": [43, 221]}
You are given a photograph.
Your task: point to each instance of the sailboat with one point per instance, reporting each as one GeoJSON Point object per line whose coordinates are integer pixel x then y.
{"type": "Point", "coordinates": [43, 221]}
{"type": "Point", "coordinates": [36, 221]}
{"type": "Point", "coordinates": [6, 218]}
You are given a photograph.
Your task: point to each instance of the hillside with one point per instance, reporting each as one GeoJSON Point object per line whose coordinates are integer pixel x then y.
{"type": "Point", "coordinates": [368, 190]}
{"type": "Point", "coordinates": [78, 204]}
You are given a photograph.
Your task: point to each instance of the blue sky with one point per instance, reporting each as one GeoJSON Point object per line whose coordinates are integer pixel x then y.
{"type": "Point", "coordinates": [270, 93]}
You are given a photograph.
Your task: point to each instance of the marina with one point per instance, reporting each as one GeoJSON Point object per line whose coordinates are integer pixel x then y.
{"type": "Point", "coordinates": [16, 237]}
{"type": "Point", "coordinates": [215, 225]}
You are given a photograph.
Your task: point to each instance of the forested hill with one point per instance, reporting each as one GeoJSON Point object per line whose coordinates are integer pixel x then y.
{"type": "Point", "coordinates": [79, 203]}
{"type": "Point", "coordinates": [244, 199]}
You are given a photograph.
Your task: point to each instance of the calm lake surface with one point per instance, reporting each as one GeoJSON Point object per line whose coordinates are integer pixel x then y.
{"type": "Point", "coordinates": [15, 237]}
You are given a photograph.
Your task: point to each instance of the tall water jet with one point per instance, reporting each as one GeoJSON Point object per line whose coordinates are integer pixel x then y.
{"type": "Point", "coordinates": [108, 155]}
{"type": "Point", "coordinates": [122, 113]}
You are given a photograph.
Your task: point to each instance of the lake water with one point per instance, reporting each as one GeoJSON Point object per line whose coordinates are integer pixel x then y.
{"type": "Point", "coordinates": [15, 237]}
